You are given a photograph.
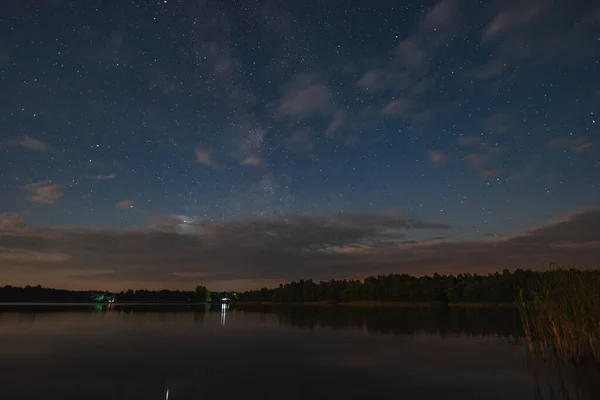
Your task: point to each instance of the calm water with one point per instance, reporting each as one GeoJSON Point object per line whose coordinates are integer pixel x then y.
{"type": "Point", "coordinates": [251, 352]}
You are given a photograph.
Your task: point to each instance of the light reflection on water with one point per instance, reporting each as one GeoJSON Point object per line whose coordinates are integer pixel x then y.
{"type": "Point", "coordinates": [224, 308]}
{"type": "Point", "coordinates": [292, 352]}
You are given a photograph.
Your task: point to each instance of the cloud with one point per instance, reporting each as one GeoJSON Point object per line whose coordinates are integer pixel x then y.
{"type": "Point", "coordinates": [437, 157]}
{"type": "Point", "coordinates": [351, 141]}
{"type": "Point", "coordinates": [205, 157]}
{"type": "Point", "coordinates": [469, 141]}
{"type": "Point", "coordinates": [477, 161]}
{"type": "Point", "coordinates": [585, 147]}
{"type": "Point", "coordinates": [578, 228]}
{"type": "Point", "coordinates": [29, 143]}
{"type": "Point", "coordinates": [493, 174]}
{"type": "Point", "coordinates": [498, 123]}
{"type": "Point", "coordinates": [576, 146]}
{"type": "Point", "coordinates": [537, 31]}
{"type": "Point", "coordinates": [525, 173]}
{"type": "Point", "coordinates": [104, 177]}
{"type": "Point", "coordinates": [44, 192]}
{"type": "Point", "coordinates": [126, 204]}
{"type": "Point", "coordinates": [300, 140]}
{"type": "Point", "coordinates": [271, 247]}
{"type": "Point", "coordinates": [397, 108]}
{"type": "Point", "coordinates": [182, 224]}
{"type": "Point", "coordinates": [484, 161]}
{"type": "Point", "coordinates": [308, 96]}
{"type": "Point", "coordinates": [407, 73]}
{"type": "Point", "coordinates": [302, 100]}
{"type": "Point", "coordinates": [182, 251]}
{"type": "Point", "coordinates": [513, 16]}
{"type": "Point", "coordinates": [11, 220]}
{"type": "Point", "coordinates": [413, 55]}
{"type": "Point", "coordinates": [337, 121]}
{"type": "Point", "coordinates": [31, 256]}
{"type": "Point", "coordinates": [253, 161]}
{"type": "Point", "coordinates": [211, 35]}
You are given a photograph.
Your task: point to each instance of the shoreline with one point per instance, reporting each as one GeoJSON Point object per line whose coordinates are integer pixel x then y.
{"type": "Point", "coordinates": [355, 304]}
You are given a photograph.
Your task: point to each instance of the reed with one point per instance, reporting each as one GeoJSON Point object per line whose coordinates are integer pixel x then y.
{"type": "Point", "coordinates": [561, 316]}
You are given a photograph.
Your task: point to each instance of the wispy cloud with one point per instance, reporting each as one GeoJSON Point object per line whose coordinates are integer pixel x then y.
{"type": "Point", "coordinates": [126, 204]}
{"type": "Point", "coordinates": [414, 54]}
{"type": "Point", "coordinates": [469, 141]}
{"type": "Point", "coordinates": [493, 174]}
{"type": "Point", "coordinates": [29, 143]}
{"type": "Point", "coordinates": [205, 157]}
{"type": "Point", "coordinates": [44, 192]}
{"type": "Point", "coordinates": [484, 162]}
{"type": "Point", "coordinates": [524, 173]}
{"type": "Point", "coordinates": [302, 99]}
{"type": "Point", "coordinates": [397, 108]}
{"type": "Point", "coordinates": [11, 220]}
{"type": "Point", "coordinates": [576, 146]}
{"type": "Point", "coordinates": [104, 177]}
{"type": "Point", "coordinates": [406, 78]}
{"type": "Point", "coordinates": [253, 161]}
{"type": "Point", "coordinates": [300, 140]}
{"type": "Point", "coordinates": [498, 123]}
{"type": "Point", "coordinates": [514, 14]}
{"type": "Point", "coordinates": [308, 96]}
{"type": "Point", "coordinates": [437, 157]}
{"type": "Point", "coordinates": [537, 31]}
{"type": "Point", "coordinates": [339, 118]}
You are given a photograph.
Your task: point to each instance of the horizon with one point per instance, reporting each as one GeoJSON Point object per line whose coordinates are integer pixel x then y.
{"type": "Point", "coordinates": [250, 146]}
{"type": "Point", "coordinates": [271, 288]}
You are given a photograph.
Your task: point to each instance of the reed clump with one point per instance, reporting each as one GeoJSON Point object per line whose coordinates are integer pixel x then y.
{"type": "Point", "coordinates": [561, 316]}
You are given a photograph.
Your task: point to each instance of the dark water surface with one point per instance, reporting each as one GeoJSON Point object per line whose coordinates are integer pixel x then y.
{"type": "Point", "coordinates": [264, 353]}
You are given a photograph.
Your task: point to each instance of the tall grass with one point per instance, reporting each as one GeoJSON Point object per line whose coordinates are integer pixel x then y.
{"type": "Point", "coordinates": [561, 316]}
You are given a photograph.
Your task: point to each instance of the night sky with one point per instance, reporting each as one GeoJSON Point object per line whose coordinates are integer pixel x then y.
{"type": "Point", "coordinates": [240, 144]}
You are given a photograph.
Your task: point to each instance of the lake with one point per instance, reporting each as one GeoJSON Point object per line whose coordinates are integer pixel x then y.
{"type": "Point", "coordinates": [293, 352]}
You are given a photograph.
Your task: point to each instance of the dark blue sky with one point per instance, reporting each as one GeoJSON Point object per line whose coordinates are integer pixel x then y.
{"type": "Point", "coordinates": [482, 116]}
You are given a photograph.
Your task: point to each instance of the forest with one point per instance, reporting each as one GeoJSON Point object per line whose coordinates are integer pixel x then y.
{"type": "Point", "coordinates": [39, 294]}
{"type": "Point", "coordinates": [499, 287]}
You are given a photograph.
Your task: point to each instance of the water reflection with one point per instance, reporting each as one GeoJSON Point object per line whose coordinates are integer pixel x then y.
{"type": "Point", "coordinates": [126, 352]}
{"type": "Point", "coordinates": [402, 321]}
{"type": "Point", "coordinates": [398, 321]}
{"type": "Point", "coordinates": [224, 308]}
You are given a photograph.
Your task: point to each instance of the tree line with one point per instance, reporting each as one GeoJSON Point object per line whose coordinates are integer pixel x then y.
{"type": "Point", "coordinates": [39, 294]}
{"type": "Point", "coordinates": [497, 287]}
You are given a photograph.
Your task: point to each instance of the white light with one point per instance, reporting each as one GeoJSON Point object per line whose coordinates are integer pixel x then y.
{"type": "Point", "coordinates": [223, 313]}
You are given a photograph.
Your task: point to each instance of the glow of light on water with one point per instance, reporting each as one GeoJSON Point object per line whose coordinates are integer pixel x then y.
{"type": "Point", "coordinates": [167, 395]}
{"type": "Point", "coordinates": [224, 308]}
